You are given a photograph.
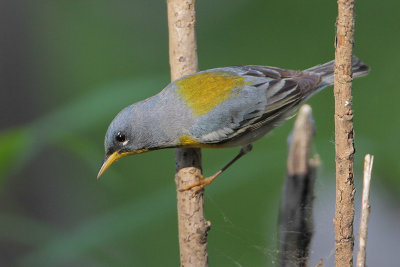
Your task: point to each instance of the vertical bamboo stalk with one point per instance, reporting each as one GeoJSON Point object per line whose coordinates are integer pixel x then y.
{"type": "Point", "coordinates": [344, 135]}
{"type": "Point", "coordinates": [193, 227]}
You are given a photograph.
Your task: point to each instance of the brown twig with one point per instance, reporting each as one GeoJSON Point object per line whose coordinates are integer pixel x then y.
{"type": "Point", "coordinates": [344, 135]}
{"type": "Point", "coordinates": [320, 263]}
{"type": "Point", "coordinates": [193, 227]}
{"type": "Point", "coordinates": [295, 224]}
{"type": "Point", "coordinates": [365, 210]}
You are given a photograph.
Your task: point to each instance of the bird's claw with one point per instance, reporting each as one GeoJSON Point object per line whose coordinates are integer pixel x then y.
{"type": "Point", "coordinates": [200, 184]}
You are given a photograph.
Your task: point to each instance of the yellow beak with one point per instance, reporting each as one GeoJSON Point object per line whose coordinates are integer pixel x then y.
{"type": "Point", "coordinates": [108, 160]}
{"type": "Point", "coordinates": [111, 158]}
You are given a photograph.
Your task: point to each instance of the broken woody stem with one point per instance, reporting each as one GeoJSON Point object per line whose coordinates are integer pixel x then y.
{"type": "Point", "coordinates": [295, 222]}
{"type": "Point", "coordinates": [344, 135]}
{"type": "Point", "coordinates": [365, 210]}
{"type": "Point", "coordinates": [192, 226]}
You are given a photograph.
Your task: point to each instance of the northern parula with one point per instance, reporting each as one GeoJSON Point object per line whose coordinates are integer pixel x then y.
{"type": "Point", "coordinates": [216, 108]}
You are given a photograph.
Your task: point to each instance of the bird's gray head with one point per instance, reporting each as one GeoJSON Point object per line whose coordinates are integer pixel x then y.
{"type": "Point", "coordinates": [123, 137]}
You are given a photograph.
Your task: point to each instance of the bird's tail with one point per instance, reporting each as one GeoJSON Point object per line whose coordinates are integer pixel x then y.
{"type": "Point", "coordinates": [326, 71]}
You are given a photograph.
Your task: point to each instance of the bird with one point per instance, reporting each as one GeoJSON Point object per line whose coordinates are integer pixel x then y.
{"type": "Point", "coordinates": [216, 108]}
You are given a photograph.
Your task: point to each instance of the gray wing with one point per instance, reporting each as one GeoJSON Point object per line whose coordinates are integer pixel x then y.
{"type": "Point", "coordinates": [271, 95]}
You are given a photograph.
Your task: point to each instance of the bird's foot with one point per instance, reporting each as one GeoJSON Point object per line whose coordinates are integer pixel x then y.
{"type": "Point", "coordinates": [197, 186]}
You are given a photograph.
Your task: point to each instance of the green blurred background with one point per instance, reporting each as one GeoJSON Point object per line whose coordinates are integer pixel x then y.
{"type": "Point", "coordinates": [67, 68]}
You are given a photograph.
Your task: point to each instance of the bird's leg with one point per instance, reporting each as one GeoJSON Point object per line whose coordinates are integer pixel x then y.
{"type": "Point", "coordinates": [206, 181]}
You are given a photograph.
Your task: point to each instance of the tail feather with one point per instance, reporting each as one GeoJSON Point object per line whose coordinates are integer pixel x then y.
{"type": "Point", "coordinates": [327, 70]}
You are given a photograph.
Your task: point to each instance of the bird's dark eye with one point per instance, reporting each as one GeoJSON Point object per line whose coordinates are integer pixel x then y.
{"type": "Point", "coordinates": [120, 137]}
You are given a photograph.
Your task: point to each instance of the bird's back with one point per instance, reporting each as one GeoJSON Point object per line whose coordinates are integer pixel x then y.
{"type": "Point", "coordinates": [226, 104]}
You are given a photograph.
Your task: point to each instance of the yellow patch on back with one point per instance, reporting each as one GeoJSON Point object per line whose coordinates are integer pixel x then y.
{"type": "Point", "coordinates": [204, 91]}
